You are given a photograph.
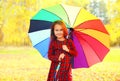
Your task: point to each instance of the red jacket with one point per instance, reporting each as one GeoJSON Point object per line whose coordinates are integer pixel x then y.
{"type": "Point", "coordinates": [55, 49]}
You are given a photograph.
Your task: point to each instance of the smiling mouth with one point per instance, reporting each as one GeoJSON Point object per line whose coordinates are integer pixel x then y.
{"type": "Point", "coordinates": [59, 34]}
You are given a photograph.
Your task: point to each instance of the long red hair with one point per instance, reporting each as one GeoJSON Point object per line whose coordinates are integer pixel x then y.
{"type": "Point", "coordinates": [65, 31]}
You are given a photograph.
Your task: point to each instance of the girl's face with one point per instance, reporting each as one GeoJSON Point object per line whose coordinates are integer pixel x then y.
{"type": "Point", "coordinates": [58, 31]}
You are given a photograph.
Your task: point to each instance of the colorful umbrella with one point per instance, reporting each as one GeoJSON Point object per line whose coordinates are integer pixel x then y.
{"type": "Point", "coordinates": [89, 35]}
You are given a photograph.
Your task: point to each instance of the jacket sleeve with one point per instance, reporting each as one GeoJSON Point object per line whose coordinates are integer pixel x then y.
{"type": "Point", "coordinates": [72, 49]}
{"type": "Point", "coordinates": [51, 53]}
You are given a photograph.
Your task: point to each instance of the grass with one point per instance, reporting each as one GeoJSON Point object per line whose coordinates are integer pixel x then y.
{"type": "Point", "coordinates": [26, 64]}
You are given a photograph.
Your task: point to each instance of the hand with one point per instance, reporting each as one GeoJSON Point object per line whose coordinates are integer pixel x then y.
{"type": "Point", "coordinates": [61, 56]}
{"type": "Point", "coordinates": [65, 48]}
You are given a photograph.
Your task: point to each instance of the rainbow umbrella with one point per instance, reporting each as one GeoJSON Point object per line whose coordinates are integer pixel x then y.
{"type": "Point", "coordinates": [88, 33]}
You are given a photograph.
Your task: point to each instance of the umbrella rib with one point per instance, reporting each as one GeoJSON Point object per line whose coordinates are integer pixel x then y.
{"type": "Point", "coordinates": [66, 14]}
{"type": "Point", "coordinates": [76, 16]}
{"type": "Point", "coordinates": [41, 41]}
{"type": "Point", "coordinates": [89, 44]}
{"type": "Point", "coordinates": [83, 51]}
{"type": "Point", "coordinates": [53, 13]}
{"type": "Point", "coordinates": [94, 38]}
{"type": "Point", "coordinates": [82, 29]}
{"type": "Point", "coordinates": [99, 42]}
{"type": "Point", "coordinates": [90, 28]}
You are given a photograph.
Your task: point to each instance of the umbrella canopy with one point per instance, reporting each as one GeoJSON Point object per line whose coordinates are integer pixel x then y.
{"type": "Point", "coordinates": [89, 35]}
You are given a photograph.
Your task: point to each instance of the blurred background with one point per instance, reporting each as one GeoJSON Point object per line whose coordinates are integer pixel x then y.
{"type": "Point", "coordinates": [19, 61]}
{"type": "Point", "coordinates": [15, 18]}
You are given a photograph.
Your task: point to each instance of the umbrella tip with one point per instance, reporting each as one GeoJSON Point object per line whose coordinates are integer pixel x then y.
{"type": "Point", "coordinates": [71, 29]}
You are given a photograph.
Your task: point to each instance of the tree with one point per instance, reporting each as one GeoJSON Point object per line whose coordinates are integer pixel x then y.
{"type": "Point", "coordinates": [114, 24]}
{"type": "Point", "coordinates": [98, 8]}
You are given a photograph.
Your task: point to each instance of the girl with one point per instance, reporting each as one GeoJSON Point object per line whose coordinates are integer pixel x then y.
{"type": "Point", "coordinates": [61, 50]}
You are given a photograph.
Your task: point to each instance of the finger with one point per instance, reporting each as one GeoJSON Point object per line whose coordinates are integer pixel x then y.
{"type": "Point", "coordinates": [64, 46]}
{"type": "Point", "coordinates": [59, 59]}
{"type": "Point", "coordinates": [62, 56]}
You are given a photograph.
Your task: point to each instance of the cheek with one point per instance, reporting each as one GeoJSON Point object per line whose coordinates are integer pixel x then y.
{"type": "Point", "coordinates": [61, 32]}
{"type": "Point", "coordinates": [55, 32]}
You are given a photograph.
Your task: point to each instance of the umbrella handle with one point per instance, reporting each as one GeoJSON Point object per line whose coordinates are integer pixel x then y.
{"type": "Point", "coordinates": [57, 68]}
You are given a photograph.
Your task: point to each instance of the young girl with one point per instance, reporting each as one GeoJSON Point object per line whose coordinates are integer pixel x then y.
{"type": "Point", "coordinates": [61, 50]}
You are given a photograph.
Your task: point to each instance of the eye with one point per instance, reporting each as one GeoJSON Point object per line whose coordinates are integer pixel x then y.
{"type": "Point", "coordinates": [56, 30]}
{"type": "Point", "coordinates": [61, 29]}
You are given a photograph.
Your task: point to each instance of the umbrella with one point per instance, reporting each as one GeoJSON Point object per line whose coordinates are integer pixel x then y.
{"type": "Point", "coordinates": [88, 33]}
{"type": "Point", "coordinates": [56, 73]}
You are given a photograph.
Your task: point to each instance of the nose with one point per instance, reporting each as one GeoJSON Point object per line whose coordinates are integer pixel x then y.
{"type": "Point", "coordinates": [59, 31]}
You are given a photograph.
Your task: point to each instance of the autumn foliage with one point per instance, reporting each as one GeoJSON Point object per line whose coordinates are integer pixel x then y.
{"type": "Point", "coordinates": [15, 18]}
